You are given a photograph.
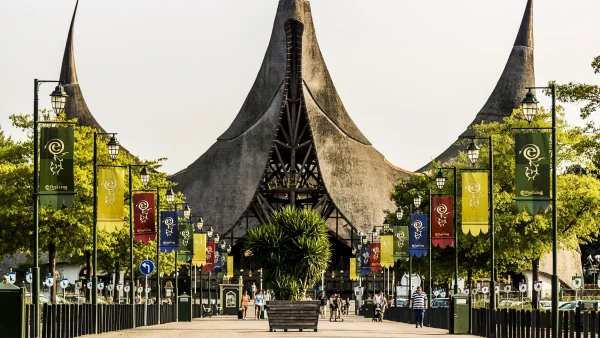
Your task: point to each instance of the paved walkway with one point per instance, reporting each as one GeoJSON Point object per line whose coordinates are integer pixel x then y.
{"type": "Point", "coordinates": [230, 326]}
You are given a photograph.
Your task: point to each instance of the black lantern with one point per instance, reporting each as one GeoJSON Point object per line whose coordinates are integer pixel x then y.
{"type": "Point", "coordinates": [170, 196]}
{"type": "Point", "coordinates": [113, 148]}
{"type": "Point", "coordinates": [473, 152]}
{"type": "Point", "coordinates": [530, 106]}
{"type": "Point", "coordinates": [440, 180]}
{"type": "Point", "coordinates": [144, 176]}
{"type": "Point", "coordinates": [59, 99]}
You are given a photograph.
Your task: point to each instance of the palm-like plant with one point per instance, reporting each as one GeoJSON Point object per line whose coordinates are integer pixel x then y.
{"type": "Point", "coordinates": [292, 250]}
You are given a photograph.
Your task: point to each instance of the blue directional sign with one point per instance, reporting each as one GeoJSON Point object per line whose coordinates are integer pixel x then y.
{"type": "Point", "coordinates": [147, 267]}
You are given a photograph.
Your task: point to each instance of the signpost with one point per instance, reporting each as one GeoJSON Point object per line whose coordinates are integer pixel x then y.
{"type": "Point", "coordinates": [64, 283]}
{"type": "Point", "coordinates": [146, 268]}
{"type": "Point", "coordinates": [126, 289]}
{"type": "Point", "coordinates": [577, 282]}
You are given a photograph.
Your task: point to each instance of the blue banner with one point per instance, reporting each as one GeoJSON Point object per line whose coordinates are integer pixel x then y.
{"type": "Point", "coordinates": [169, 234]}
{"type": "Point", "coordinates": [365, 260]}
{"type": "Point", "coordinates": [218, 260]}
{"type": "Point", "coordinates": [418, 243]}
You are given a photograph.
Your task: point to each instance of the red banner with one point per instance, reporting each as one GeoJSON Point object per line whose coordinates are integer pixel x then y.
{"type": "Point", "coordinates": [442, 221]}
{"type": "Point", "coordinates": [210, 257]}
{"type": "Point", "coordinates": [376, 257]}
{"type": "Point", "coordinates": [143, 217]}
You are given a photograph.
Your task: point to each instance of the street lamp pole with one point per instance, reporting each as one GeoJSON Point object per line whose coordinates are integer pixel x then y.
{"type": "Point", "coordinates": [529, 110]}
{"type": "Point", "coordinates": [59, 98]}
{"type": "Point", "coordinates": [113, 151]}
{"type": "Point", "coordinates": [473, 155]}
{"type": "Point", "coordinates": [440, 181]}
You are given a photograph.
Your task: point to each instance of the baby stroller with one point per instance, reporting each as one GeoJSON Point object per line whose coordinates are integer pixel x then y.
{"type": "Point", "coordinates": [377, 315]}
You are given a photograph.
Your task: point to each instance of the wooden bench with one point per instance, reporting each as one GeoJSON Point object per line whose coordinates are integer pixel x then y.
{"type": "Point", "coordinates": [293, 315]}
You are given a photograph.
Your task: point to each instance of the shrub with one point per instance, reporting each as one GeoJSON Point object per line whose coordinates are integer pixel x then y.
{"type": "Point", "coordinates": [292, 250]}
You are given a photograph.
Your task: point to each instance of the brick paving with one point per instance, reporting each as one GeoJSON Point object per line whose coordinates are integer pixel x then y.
{"type": "Point", "coordinates": [230, 326]}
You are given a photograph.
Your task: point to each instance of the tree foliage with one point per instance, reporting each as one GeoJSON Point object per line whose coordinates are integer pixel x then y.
{"type": "Point", "coordinates": [520, 237]}
{"type": "Point", "coordinates": [582, 93]}
{"type": "Point", "coordinates": [69, 229]}
{"type": "Point", "coordinates": [292, 250]}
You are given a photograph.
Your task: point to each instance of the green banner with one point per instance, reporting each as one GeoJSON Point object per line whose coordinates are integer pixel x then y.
{"type": "Point", "coordinates": [186, 242]}
{"type": "Point", "coordinates": [533, 172]}
{"type": "Point", "coordinates": [400, 242]}
{"type": "Point", "coordinates": [57, 186]}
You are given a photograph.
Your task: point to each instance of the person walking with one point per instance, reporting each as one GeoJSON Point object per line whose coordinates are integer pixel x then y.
{"type": "Point", "coordinates": [258, 303]}
{"type": "Point", "coordinates": [418, 303]}
{"type": "Point", "coordinates": [323, 299]}
{"type": "Point", "coordinates": [245, 301]}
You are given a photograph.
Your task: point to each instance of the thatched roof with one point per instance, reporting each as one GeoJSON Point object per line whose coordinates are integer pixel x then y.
{"type": "Point", "coordinates": [510, 90]}
{"type": "Point", "coordinates": [75, 106]}
{"type": "Point", "coordinates": [221, 184]}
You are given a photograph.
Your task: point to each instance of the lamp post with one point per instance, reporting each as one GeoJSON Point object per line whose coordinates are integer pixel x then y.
{"type": "Point", "coordinates": [440, 182]}
{"type": "Point", "coordinates": [473, 155]}
{"type": "Point", "coordinates": [113, 152]}
{"type": "Point", "coordinates": [530, 109]}
{"type": "Point", "coordinates": [59, 99]}
{"type": "Point", "coordinates": [144, 178]}
{"type": "Point", "coordinates": [399, 215]}
{"type": "Point", "coordinates": [186, 214]}
{"type": "Point", "coordinates": [417, 200]}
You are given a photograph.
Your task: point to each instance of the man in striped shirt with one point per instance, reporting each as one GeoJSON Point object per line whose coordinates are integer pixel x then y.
{"type": "Point", "coordinates": [418, 303]}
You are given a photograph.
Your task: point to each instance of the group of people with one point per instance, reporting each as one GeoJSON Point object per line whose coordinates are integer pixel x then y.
{"type": "Point", "coordinates": [418, 302]}
{"type": "Point", "coordinates": [337, 306]}
{"type": "Point", "coordinates": [260, 300]}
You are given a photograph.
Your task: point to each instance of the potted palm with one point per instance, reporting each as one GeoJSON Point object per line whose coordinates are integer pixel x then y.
{"type": "Point", "coordinates": [292, 249]}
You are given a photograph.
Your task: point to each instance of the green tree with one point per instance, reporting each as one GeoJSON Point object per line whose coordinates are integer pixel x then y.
{"type": "Point", "coordinates": [292, 250]}
{"type": "Point", "coordinates": [522, 239]}
{"type": "Point", "coordinates": [582, 93]}
{"type": "Point", "coordinates": [67, 233]}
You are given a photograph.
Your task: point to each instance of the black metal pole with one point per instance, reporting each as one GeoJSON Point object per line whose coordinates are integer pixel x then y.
{"type": "Point", "coordinates": [176, 289]}
{"type": "Point", "coordinates": [429, 250]}
{"type": "Point", "coordinates": [492, 241]}
{"type": "Point", "coordinates": [95, 239]}
{"type": "Point", "coordinates": [131, 268]}
{"type": "Point", "coordinates": [555, 283]}
{"type": "Point", "coordinates": [36, 218]}
{"type": "Point", "coordinates": [455, 212]}
{"type": "Point", "coordinates": [158, 289]}
{"type": "Point", "coordinates": [201, 293]}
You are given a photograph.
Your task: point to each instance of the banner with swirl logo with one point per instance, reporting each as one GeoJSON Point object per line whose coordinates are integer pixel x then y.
{"type": "Point", "coordinates": [376, 257]}
{"type": "Point", "coordinates": [218, 266]}
{"type": "Point", "coordinates": [442, 221]}
{"type": "Point", "coordinates": [111, 198]}
{"type": "Point", "coordinates": [230, 267]}
{"type": "Point", "coordinates": [199, 250]}
{"type": "Point", "coordinates": [365, 260]}
{"type": "Point", "coordinates": [475, 203]}
{"type": "Point", "coordinates": [210, 257]}
{"type": "Point", "coordinates": [57, 187]}
{"type": "Point", "coordinates": [533, 172]}
{"type": "Point", "coordinates": [387, 250]}
{"type": "Point", "coordinates": [186, 242]}
{"type": "Point", "coordinates": [169, 232]}
{"type": "Point", "coordinates": [143, 217]}
{"type": "Point", "coordinates": [352, 270]}
{"type": "Point", "coordinates": [400, 242]}
{"type": "Point", "coordinates": [418, 235]}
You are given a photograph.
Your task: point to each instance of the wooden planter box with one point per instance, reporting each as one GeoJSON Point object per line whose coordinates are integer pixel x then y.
{"type": "Point", "coordinates": [294, 315]}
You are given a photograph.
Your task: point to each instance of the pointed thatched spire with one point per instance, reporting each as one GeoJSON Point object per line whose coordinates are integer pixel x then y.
{"type": "Point", "coordinates": [76, 106]}
{"type": "Point", "coordinates": [225, 182]}
{"type": "Point", "coordinates": [509, 91]}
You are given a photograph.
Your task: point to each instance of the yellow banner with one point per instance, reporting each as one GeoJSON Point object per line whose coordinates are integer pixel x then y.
{"type": "Point", "coordinates": [229, 267]}
{"type": "Point", "coordinates": [475, 203]}
{"type": "Point", "coordinates": [199, 250]}
{"type": "Point", "coordinates": [111, 201]}
{"type": "Point", "coordinates": [353, 269]}
{"type": "Point", "coordinates": [387, 251]}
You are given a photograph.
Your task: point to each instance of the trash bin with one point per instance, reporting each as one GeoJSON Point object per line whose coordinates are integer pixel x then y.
{"type": "Point", "coordinates": [184, 307]}
{"type": "Point", "coordinates": [460, 314]}
{"type": "Point", "coordinates": [12, 311]}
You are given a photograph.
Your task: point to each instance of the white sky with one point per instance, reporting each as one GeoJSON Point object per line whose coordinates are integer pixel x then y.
{"type": "Point", "coordinates": [170, 76]}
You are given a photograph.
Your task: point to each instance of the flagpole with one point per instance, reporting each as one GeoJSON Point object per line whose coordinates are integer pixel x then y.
{"type": "Point", "coordinates": [131, 268]}
{"type": "Point", "coordinates": [429, 249]}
